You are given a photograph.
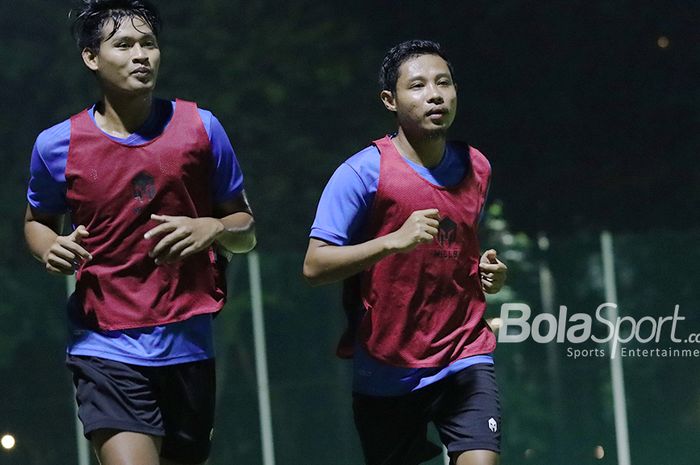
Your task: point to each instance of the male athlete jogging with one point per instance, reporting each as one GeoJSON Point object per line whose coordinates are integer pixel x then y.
{"type": "Point", "coordinates": [398, 222]}
{"type": "Point", "coordinates": [155, 195]}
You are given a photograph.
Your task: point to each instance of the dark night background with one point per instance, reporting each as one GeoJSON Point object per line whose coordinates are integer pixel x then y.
{"type": "Point", "coordinates": [588, 111]}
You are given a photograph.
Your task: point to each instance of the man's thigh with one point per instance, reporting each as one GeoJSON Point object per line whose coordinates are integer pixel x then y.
{"type": "Point", "coordinates": [468, 412]}
{"type": "Point", "coordinates": [125, 447]}
{"type": "Point", "coordinates": [393, 430]}
{"type": "Point", "coordinates": [186, 395]}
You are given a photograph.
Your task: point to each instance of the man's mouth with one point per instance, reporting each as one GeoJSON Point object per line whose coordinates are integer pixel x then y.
{"type": "Point", "coordinates": [437, 111]}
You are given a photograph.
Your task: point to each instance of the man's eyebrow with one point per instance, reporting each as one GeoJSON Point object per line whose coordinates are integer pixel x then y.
{"type": "Point", "coordinates": [416, 76]}
{"type": "Point", "coordinates": [146, 35]}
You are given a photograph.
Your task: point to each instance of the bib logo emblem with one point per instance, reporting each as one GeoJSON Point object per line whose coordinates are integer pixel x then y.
{"type": "Point", "coordinates": [493, 426]}
{"type": "Point", "coordinates": [144, 189]}
{"type": "Point", "coordinates": [446, 238]}
{"type": "Point", "coordinates": [446, 232]}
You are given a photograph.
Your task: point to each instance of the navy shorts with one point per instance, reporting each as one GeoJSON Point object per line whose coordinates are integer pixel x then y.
{"type": "Point", "coordinates": [464, 407]}
{"type": "Point", "coordinates": [175, 402]}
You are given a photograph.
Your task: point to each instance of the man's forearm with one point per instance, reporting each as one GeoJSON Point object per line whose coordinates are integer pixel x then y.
{"type": "Point", "coordinates": [327, 263]}
{"type": "Point", "coordinates": [39, 238]}
{"type": "Point", "coordinates": [40, 232]}
{"type": "Point", "coordinates": [238, 235]}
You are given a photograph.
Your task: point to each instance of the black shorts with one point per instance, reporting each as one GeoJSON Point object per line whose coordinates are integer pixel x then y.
{"type": "Point", "coordinates": [464, 407]}
{"type": "Point", "coordinates": [175, 402]}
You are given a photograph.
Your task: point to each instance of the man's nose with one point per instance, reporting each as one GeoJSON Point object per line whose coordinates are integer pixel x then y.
{"type": "Point", "coordinates": [434, 94]}
{"type": "Point", "coordinates": [138, 54]}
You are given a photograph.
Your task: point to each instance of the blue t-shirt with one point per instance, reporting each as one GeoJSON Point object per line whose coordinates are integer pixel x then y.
{"type": "Point", "coordinates": [341, 217]}
{"type": "Point", "coordinates": [180, 342]}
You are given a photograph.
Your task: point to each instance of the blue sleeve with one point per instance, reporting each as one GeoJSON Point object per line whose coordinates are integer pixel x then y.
{"type": "Point", "coordinates": [482, 213]}
{"type": "Point", "coordinates": [47, 181]}
{"type": "Point", "coordinates": [228, 177]}
{"type": "Point", "coordinates": [347, 199]}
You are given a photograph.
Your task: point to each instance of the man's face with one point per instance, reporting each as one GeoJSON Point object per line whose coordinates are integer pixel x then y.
{"type": "Point", "coordinates": [425, 100]}
{"type": "Point", "coordinates": [129, 60]}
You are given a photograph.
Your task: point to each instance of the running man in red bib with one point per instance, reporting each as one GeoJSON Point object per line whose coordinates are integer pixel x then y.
{"type": "Point", "coordinates": [398, 223]}
{"type": "Point", "coordinates": [155, 196]}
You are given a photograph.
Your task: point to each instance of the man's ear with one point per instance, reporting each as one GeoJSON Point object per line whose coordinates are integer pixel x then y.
{"type": "Point", "coordinates": [388, 100]}
{"type": "Point", "coordinates": [90, 59]}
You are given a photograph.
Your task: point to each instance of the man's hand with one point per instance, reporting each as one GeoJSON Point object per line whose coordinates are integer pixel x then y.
{"type": "Point", "coordinates": [492, 271]}
{"type": "Point", "coordinates": [66, 252]}
{"type": "Point", "coordinates": [421, 226]}
{"type": "Point", "coordinates": [182, 236]}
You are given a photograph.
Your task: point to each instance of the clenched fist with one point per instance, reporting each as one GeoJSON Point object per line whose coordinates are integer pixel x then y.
{"type": "Point", "coordinates": [421, 226]}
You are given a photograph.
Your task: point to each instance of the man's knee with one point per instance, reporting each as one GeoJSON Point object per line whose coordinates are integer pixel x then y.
{"type": "Point", "coordinates": [474, 457]}
{"type": "Point", "coordinates": [114, 447]}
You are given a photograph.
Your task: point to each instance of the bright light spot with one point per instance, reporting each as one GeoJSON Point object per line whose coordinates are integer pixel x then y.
{"type": "Point", "coordinates": [599, 452]}
{"type": "Point", "coordinates": [496, 209]}
{"type": "Point", "coordinates": [543, 242]}
{"type": "Point", "coordinates": [508, 239]}
{"type": "Point", "coordinates": [495, 323]}
{"type": "Point", "coordinates": [529, 453]}
{"type": "Point", "coordinates": [497, 224]}
{"type": "Point", "coordinates": [663, 42]}
{"type": "Point", "coordinates": [7, 441]}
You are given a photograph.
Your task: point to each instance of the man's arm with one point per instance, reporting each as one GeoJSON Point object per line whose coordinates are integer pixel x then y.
{"type": "Point", "coordinates": [232, 227]}
{"type": "Point", "coordinates": [239, 225]}
{"type": "Point", "coordinates": [326, 263]}
{"type": "Point", "coordinates": [58, 253]}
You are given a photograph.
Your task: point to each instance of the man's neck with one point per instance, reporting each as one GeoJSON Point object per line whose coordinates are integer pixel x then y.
{"type": "Point", "coordinates": [121, 117]}
{"type": "Point", "coordinates": [426, 151]}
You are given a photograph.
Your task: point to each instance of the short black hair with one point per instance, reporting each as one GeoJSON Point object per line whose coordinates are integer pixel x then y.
{"type": "Point", "coordinates": [89, 18]}
{"type": "Point", "coordinates": [389, 72]}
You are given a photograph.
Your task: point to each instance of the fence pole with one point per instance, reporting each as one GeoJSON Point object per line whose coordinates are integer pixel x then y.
{"type": "Point", "coordinates": [261, 359]}
{"type": "Point", "coordinates": [616, 371]}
